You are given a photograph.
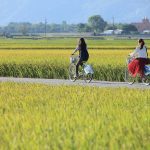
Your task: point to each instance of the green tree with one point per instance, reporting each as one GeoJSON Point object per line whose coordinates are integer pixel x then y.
{"type": "Point", "coordinates": [1, 30]}
{"type": "Point", "coordinates": [110, 27]}
{"type": "Point", "coordinates": [129, 28]}
{"type": "Point", "coordinates": [83, 27]}
{"type": "Point", "coordinates": [97, 23]}
{"type": "Point", "coordinates": [24, 28]}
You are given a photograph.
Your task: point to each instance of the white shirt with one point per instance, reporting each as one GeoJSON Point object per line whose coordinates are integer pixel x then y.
{"type": "Point", "coordinates": [139, 53]}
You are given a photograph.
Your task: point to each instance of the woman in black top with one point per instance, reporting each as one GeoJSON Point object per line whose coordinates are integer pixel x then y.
{"type": "Point", "coordinates": [83, 53]}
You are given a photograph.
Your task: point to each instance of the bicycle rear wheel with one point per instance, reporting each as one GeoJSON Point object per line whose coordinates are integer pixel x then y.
{"type": "Point", "coordinates": [146, 80]}
{"type": "Point", "coordinates": [72, 72]}
{"type": "Point", "coordinates": [128, 77]}
{"type": "Point", "coordinates": [88, 77]}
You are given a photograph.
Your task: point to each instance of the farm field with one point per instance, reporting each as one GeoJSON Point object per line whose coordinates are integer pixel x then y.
{"type": "Point", "coordinates": [67, 43]}
{"type": "Point", "coordinates": [35, 116]}
{"type": "Point", "coordinates": [54, 63]}
{"type": "Point", "coordinates": [50, 58]}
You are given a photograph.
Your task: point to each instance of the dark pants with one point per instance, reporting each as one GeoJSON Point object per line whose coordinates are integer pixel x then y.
{"type": "Point", "coordinates": [147, 61]}
{"type": "Point", "coordinates": [80, 63]}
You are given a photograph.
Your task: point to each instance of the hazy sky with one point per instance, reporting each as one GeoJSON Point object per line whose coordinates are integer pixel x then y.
{"type": "Point", "coordinates": [73, 11]}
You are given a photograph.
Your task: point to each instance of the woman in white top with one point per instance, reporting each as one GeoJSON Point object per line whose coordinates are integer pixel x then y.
{"type": "Point", "coordinates": [140, 55]}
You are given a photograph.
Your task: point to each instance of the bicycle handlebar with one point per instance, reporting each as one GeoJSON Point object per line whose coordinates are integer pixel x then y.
{"type": "Point", "coordinates": [129, 59]}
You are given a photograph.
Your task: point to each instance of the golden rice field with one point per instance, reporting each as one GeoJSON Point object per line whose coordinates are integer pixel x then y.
{"type": "Point", "coordinates": [101, 57]}
{"type": "Point", "coordinates": [50, 58]}
{"type": "Point", "coordinates": [35, 116]}
{"type": "Point", "coordinates": [108, 64]}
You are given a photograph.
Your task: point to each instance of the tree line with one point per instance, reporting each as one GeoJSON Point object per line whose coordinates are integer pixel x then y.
{"type": "Point", "coordinates": [95, 24]}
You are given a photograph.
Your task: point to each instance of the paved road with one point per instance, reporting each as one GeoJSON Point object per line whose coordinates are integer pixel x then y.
{"type": "Point", "coordinates": [78, 82]}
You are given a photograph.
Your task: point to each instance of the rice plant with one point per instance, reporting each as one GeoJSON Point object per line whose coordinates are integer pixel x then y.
{"type": "Point", "coordinates": [36, 116]}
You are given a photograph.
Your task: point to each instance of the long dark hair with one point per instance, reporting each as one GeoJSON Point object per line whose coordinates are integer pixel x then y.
{"type": "Point", "coordinates": [82, 44]}
{"type": "Point", "coordinates": [142, 43]}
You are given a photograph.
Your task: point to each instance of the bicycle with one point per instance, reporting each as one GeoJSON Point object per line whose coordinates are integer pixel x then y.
{"type": "Point", "coordinates": [86, 72]}
{"type": "Point", "coordinates": [130, 79]}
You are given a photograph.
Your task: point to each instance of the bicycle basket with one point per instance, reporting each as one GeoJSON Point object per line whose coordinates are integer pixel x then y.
{"type": "Point", "coordinates": [74, 59]}
{"type": "Point", "coordinates": [88, 69]}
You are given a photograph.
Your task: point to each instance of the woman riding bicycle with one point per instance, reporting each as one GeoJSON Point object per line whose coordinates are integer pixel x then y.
{"type": "Point", "coordinates": [83, 53]}
{"type": "Point", "coordinates": [140, 59]}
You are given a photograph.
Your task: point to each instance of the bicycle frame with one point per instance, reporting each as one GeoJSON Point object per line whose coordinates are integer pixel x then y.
{"type": "Point", "coordinates": [86, 73]}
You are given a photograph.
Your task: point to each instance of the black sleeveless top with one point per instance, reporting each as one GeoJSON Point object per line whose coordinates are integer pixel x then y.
{"type": "Point", "coordinates": [83, 53]}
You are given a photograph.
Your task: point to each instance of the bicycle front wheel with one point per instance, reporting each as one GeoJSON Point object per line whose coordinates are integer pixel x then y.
{"type": "Point", "coordinates": [72, 72]}
{"type": "Point", "coordinates": [88, 77]}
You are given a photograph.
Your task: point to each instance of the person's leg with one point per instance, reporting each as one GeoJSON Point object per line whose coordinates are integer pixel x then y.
{"type": "Point", "coordinates": [77, 66]}
{"type": "Point", "coordinates": [147, 61]}
{"type": "Point", "coordinates": [142, 63]}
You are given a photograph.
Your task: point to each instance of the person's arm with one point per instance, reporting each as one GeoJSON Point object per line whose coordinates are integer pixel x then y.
{"type": "Point", "coordinates": [134, 53]}
{"type": "Point", "coordinates": [77, 48]}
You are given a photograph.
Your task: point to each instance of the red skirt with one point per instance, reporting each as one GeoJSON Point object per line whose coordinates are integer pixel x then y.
{"type": "Point", "coordinates": [136, 67]}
